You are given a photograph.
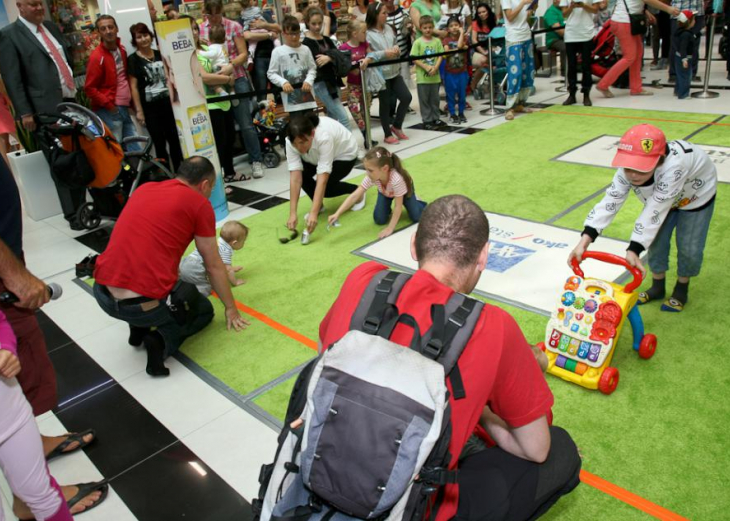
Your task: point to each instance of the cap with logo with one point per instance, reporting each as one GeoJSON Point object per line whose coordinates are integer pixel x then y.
{"type": "Point", "coordinates": [640, 148]}
{"type": "Point", "coordinates": [685, 16]}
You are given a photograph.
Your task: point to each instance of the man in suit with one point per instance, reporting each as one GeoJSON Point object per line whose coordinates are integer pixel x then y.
{"type": "Point", "coordinates": [36, 68]}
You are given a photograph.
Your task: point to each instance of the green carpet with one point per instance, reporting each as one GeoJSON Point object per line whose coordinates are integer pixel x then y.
{"type": "Point", "coordinates": [661, 435]}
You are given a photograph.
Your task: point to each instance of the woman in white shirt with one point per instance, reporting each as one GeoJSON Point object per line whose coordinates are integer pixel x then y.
{"type": "Point", "coordinates": [579, 28]}
{"type": "Point", "coordinates": [520, 58]}
{"type": "Point", "coordinates": [320, 152]}
{"type": "Point", "coordinates": [632, 45]}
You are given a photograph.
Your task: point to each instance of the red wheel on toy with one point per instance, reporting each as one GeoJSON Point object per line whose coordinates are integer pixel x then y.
{"type": "Point", "coordinates": [609, 380]}
{"type": "Point", "coordinates": [647, 346]}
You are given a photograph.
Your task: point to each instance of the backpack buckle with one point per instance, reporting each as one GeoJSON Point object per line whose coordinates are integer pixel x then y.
{"type": "Point", "coordinates": [438, 476]}
{"type": "Point", "coordinates": [433, 348]}
{"type": "Point", "coordinates": [457, 320]}
{"type": "Point", "coordinates": [371, 325]}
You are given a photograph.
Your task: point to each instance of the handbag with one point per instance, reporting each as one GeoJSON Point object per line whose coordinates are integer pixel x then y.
{"type": "Point", "coordinates": [179, 301]}
{"type": "Point", "coordinates": [637, 21]}
{"type": "Point", "coordinates": [70, 168]}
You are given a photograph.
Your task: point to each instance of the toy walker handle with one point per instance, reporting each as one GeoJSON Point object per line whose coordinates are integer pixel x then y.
{"type": "Point", "coordinates": [610, 258]}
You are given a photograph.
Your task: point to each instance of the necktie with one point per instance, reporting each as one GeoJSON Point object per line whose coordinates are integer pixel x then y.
{"type": "Point", "coordinates": [60, 62]}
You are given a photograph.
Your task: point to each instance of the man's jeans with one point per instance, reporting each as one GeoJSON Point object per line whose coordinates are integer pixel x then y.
{"type": "Point", "coordinates": [160, 317]}
{"type": "Point", "coordinates": [121, 126]}
{"type": "Point", "coordinates": [243, 116]}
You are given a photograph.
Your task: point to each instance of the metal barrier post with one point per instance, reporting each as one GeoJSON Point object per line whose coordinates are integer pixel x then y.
{"type": "Point", "coordinates": [491, 111]}
{"type": "Point", "coordinates": [279, 12]}
{"type": "Point", "coordinates": [564, 86]}
{"type": "Point", "coordinates": [365, 110]}
{"type": "Point", "coordinates": [704, 93]}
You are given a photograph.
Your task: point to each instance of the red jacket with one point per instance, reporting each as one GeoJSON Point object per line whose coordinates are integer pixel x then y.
{"type": "Point", "coordinates": [101, 77]}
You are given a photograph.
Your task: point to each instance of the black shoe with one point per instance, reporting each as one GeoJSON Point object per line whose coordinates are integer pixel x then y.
{"type": "Point", "coordinates": [155, 346]}
{"type": "Point", "coordinates": [137, 334]}
{"type": "Point", "coordinates": [587, 100]}
{"type": "Point", "coordinates": [440, 123]}
{"type": "Point", "coordinates": [570, 101]}
{"type": "Point", "coordinates": [429, 126]}
{"type": "Point", "coordinates": [672, 79]}
{"type": "Point", "coordinates": [455, 120]}
{"type": "Point", "coordinates": [76, 225]}
{"type": "Point", "coordinates": [462, 118]}
{"type": "Point", "coordinates": [696, 79]}
{"type": "Point", "coordinates": [85, 268]}
{"type": "Point", "coordinates": [444, 111]}
{"type": "Point", "coordinates": [372, 144]}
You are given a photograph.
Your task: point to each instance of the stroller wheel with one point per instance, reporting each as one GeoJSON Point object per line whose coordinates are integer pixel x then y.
{"type": "Point", "coordinates": [88, 216]}
{"type": "Point", "coordinates": [272, 159]}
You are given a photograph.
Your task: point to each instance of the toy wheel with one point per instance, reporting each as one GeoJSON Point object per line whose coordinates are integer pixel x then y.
{"type": "Point", "coordinates": [647, 346]}
{"type": "Point", "coordinates": [609, 380]}
{"type": "Point", "coordinates": [271, 159]}
{"type": "Point", "coordinates": [88, 216]}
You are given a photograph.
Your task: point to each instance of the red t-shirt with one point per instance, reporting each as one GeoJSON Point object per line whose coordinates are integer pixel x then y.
{"type": "Point", "coordinates": [497, 365]}
{"type": "Point", "coordinates": [158, 223]}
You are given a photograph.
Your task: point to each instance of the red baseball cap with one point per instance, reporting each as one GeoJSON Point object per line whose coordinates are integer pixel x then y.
{"type": "Point", "coordinates": [687, 14]}
{"type": "Point", "coordinates": [640, 148]}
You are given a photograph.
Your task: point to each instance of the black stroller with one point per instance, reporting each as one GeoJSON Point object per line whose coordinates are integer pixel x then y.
{"type": "Point", "coordinates": [270, 131]}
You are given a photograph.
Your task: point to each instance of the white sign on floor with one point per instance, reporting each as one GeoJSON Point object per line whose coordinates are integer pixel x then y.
{"type": "Point", "coordinates": [600, 152]}
{"type": "Point", "coordinates": [527, 263]}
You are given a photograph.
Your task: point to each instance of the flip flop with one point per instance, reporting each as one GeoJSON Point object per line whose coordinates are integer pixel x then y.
{"type": "Point", "coordinates": [84, 490]}
{"type": "Point", "coordinates": [672, 305]}
{"type": "Point", "coordinates": [77, 437]}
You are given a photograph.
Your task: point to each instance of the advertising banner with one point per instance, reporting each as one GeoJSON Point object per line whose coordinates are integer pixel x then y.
{"type": "Point", "coordinates": [189, 106]}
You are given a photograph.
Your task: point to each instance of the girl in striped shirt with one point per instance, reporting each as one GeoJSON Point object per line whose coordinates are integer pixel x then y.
{"type": "Point", "coordinates": [385, 171]}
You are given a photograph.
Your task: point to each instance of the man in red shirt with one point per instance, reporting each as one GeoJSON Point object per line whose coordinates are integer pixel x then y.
{"type": "Point", "coordinates": [137, 272]}
{"type": "Point", "coordinates": [532, 464]}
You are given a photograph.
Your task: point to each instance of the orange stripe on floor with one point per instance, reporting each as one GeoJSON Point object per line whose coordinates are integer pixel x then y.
{"type": "Point", "coordinates": [639, 118]}
{"type": "Point", "coordinates": [629, 498]}
{"type": "Point", "coordinates": [586, 477]}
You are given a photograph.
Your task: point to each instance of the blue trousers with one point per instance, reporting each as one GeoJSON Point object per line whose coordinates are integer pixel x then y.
{"type": "Point", "coordinates": [120, 125]}
{"type": "Point", "coordinates": [243, 116]}
{"type": "Point", "coordinates": [683, 78]}
{"type": "Point", "coordinates": [382, 211]}
{"type": "Point", "coordinates": [520, 72]}
{"type": "Point", "coordinates": [691, 236]}
{"type": "Point", "coordinates": [455, 85]}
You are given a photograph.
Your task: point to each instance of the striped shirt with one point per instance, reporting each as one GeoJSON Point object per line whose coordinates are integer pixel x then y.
{"type": "Point", "coordinates": [397, 19]}
{"type": "Point", "coordinates": [696, 6]}
{"type": "Point", "coordinates": [224, 250]}
{"type": "Point", "coordinates": [233, 30]}
{"type": "Point", "coordinates": [396, 186]}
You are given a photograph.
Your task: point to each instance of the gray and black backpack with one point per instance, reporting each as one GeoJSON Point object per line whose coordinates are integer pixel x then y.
{"type": "Point", "coordinates": [375, 424]}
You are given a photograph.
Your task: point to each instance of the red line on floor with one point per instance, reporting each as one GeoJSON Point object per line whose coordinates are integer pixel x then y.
{"type": "Point", "coordinates": [629, 498]}
{"type": "Point", "coordinates": [640, 118]}
{"type": "Point", "coordinates": [586, 477]}
{"type": "Point", "coordinates": [523, 237]}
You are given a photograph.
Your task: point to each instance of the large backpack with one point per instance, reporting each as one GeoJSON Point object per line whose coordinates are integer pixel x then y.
{"type": "Point", "coordinates": [368, 426]}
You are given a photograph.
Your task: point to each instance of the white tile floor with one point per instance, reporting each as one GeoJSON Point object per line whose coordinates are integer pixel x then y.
{"type": "Point", "coordinates": [226, 438]}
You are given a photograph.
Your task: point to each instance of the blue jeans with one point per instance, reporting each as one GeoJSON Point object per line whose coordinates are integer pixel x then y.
{"type": "Point", "coordinates": [243, 116]}
{"type": "Point", "coordinates": [382, 211]}
{"type": "Point", "coordinates": [160, 317]}
{"type": "Point", "coordinates": [120, 125]}
{"type": "Point", "coordinates": [335, 108]}
{"type": "Point", "coordinates": [455, 85]}
{"type": "Point", "coordinates": [260, 81]}
{"type": "Point", "coordinates": [690, 238]}
{"type": "Point", "coordinates": [683, 78]}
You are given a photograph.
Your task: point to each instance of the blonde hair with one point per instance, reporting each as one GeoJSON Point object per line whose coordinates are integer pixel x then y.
{"type": "Point", "coordinates": [354, 26]}
{"type": "Point", "coordinates": [234, 231]}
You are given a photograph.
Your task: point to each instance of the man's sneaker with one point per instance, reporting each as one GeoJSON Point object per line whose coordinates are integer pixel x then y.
{"type": "Point", "coordinates": [462, 118]}
{"type": "Point", "coordinates": [359, 205]}
{"type": "Point", "coordinates": [440, 123]}
{"type": "Point", "coordinates": [455, 120]}
{"type": "Point", "coordinates": [258, 170]}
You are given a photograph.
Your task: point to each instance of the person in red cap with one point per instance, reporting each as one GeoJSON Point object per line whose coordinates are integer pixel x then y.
{"type": "Point", "coordinates": [685, 45]}
{"type": "Point", "coordinates": [677, 183]}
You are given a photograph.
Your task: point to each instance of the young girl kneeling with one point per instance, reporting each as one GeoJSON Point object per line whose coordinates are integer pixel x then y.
{"type": "Point", "coordinates": [393, 182]}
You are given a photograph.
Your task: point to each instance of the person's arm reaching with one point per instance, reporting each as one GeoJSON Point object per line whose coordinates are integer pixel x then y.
{"type": "Point", "coordinates": [319, 189]}
{"type": "Point", "coordinates": [658, 4]}
{"type": "Point", "coordinates": [530, 442]}
{"type": "Point", "coordinates": [208, 248]}
{"type": "Point", "coordinates": [346, 204]}
{"type": "Point", "coordinates": [32, 293]}
{"type": "Point", "coordinates": [395, 217]}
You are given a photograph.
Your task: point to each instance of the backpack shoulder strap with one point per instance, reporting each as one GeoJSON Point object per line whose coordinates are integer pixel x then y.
{"type": "Point", "coordinates": [377, 303]}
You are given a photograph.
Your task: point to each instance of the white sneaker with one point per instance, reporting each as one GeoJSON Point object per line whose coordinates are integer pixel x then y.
{"type": "Point", "coordinates": [258, 170]}
{"type": "Point", "coordinates": [359, 205]}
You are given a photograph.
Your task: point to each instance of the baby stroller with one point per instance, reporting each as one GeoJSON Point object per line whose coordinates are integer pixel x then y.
{"type": "Point", "coordinates": [604, 52]}
{"type": "Point", "coordinates": [499, 64]}
{"type": "Point", "coordinates": [270, 131]}
{"type": "Point", "coordinates": [82, 152]}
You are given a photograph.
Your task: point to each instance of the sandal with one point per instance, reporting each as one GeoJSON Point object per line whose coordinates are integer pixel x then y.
{"type": "Point", "coordinates": [509, 115]}
{"type": "Point", "coordinates": [672, 305]}
{"type": "Point", "coordinates": [77, 437]}
{"type": "Point", "coordinates": [237, 177]}
{"type": "Point", "coordinates": [87, 488]}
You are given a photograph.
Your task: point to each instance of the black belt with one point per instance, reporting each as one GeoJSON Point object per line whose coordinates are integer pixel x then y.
{"type": "Point", "coordinates": [134, 301]}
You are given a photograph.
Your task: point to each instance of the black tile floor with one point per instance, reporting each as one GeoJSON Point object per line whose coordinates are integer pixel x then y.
{"type": "Point", "coordinates": [155, 474]}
